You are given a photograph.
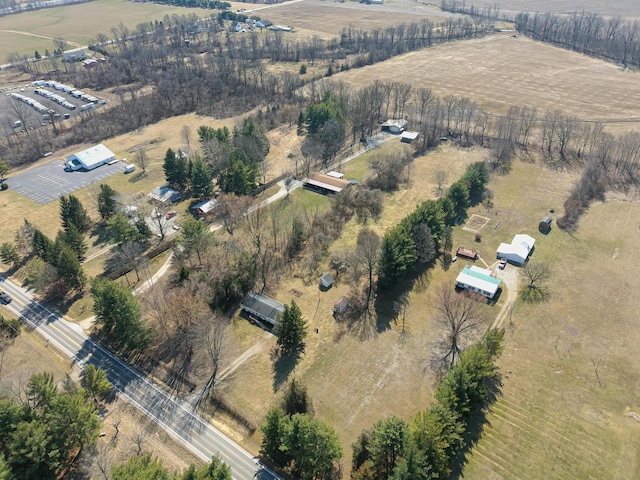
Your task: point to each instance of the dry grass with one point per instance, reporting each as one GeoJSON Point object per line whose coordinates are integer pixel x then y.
{"type": "Point", "coordinates": [554, 421]}
{"type": "Point", "coordinates": [78, 24]}
{"type": "Point", "coordinates": [499, 71]}
{"type": "Point", "coordinates": [322, 18]}
{"type": "Point", "coordinates": [360, 373]}
{"type": "Point", "coordinates": [612, 8]}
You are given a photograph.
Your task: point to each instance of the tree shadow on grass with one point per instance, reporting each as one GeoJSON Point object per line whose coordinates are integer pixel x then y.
{"type": "Point", "coordinates": [283, 366]}
{"type": "Point", "coordinates": [475, 427]}
{"type": "Point", "coordinates": [100, 235]}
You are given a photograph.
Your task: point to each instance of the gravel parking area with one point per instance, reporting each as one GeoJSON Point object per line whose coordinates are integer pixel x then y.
{"type": "Point", "coordinates": [48, 182]}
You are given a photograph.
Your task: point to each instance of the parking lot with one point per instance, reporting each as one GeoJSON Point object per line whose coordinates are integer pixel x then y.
{"type": "Point", "coordinates": [48, 182]}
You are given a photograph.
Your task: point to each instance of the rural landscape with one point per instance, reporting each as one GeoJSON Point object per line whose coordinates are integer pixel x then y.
{"type": "Point", "coordinates": [375, 239]}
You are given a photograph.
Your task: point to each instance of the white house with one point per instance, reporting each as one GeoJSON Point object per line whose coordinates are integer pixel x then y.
{"type": "Point", "coordinates": [90, 158]}
{"type": "Point", "coordinates": [478, 280]}
{"type": "Point", "coordinates": [518, 250]}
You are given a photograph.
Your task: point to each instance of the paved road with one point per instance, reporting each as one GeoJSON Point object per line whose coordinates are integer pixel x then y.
{"type": "Point", "coordinates": [173, 415]}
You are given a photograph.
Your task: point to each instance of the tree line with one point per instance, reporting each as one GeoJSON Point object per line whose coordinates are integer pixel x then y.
{"type": "Point", "coordinates": [430, 444]}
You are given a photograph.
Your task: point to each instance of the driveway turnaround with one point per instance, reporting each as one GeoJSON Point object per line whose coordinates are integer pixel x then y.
{"type": "Point", "coordinates": [47, 183]}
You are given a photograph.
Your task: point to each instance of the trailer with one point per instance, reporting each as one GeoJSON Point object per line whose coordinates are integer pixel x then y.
{"type": "Point", "coordinates": [467, 253]}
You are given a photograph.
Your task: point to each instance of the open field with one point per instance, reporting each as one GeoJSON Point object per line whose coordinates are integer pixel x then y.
{"type": "Point", "coordinates": [499, 71]}
{"type": "Point", "coordinates": [554, 421]}
{"type": "Point", "coordinates": [331, 17]}
{"type": "Point", "coordinates": [78, 24]}
{"type": "Point", "coordinates": [610, 8]}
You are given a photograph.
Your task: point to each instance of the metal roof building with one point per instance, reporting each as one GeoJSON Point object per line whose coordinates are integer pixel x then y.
{"type": "Point", "coordinates": [90, 158]}
{"type": "Point", "coordinates": [518, 250]}
{"type": "Point", "coordinates": [478, 280]}
{"type": "Point", "coordinates": [265, 308]}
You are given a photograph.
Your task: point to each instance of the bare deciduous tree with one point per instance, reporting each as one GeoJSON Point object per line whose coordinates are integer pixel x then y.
{"type": "Point", "coordinates": [231, 209]}
{"type": "Point", "coordinates": [535, 274]}
{"type": "Point", "coordinates": [215, 345]}
{"type": "Point", "coordinates": [367, 253]}
{"type": "Point", "coordinates": [440, 178]}
{"type": "Point", "coordinates": [461, 316]}
{"type": "Point", "coordinates": [142, 159]}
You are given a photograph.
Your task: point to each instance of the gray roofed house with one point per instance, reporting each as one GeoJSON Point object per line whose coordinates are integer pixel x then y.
{"type": "Point", "coordinates": [326, 281]}
{"type": "Point", "coordinates": [266, 309]}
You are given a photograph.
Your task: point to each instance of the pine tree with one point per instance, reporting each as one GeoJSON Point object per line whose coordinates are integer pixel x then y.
{"type": "Point", "coordinates": [176, 170]}
{"type": "Point", "coordinates": [69, 267]}
{"type": "Point", "coordinates": [107, 203]}
{"type": "Point", "coordinates": [96, 383]}
{"type": "Point", "coordinates": [72, 212]}
{"type": "Point", "coordinates": [42, 245]}
{"type": "Point", "coordinates": [74, 239]}
{"type": "Point", "coordinates": [9, 253]}
{"type": "Point", "coordinates": [201, 184]}
{"type": "Point", "coordinates": [292, 329]}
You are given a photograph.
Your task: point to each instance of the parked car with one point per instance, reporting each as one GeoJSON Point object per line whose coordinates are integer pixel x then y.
{"type": "Point", "coordinates": [171, 214]}
{"type": "Point", "coordinates": [5, 298]}
{"type": "Point", "coordinates": [502, 264]}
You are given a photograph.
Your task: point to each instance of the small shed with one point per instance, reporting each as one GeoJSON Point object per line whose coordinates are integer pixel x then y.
{"type": "Point", "coordinates": [326, 281]}
{"type": "Point", "coordinates": [408, 137]}
{"type": "Point", "coordinates": [341, 307]}
{"type": "Point", "coordinates": [165, 194]}
{"type": "Point", "coordinates": [545, 225]}
{"type": "Point", "coordinates": [202, 209]}
{"type": "Point", "coordinates": [467, 253]}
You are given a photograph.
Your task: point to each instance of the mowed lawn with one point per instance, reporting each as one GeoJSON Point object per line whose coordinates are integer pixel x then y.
{"type": "Point", "coordinates": [500, 71]}
{"type": "Point", "coordinates": [611, 8]}
{"type": "Point", "coordinates": [78, 24]}
{"type": "Point", "coordinates": [555, 419]}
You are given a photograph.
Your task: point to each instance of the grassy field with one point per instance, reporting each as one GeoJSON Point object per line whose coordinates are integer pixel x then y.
{"type": "Point", "coordinates": [554, 420]}
{"type": "Point", "coordinates": [499, 71]}
{"type": "Point", "coordinates": [78, 24]}
{"type": "Point", "coordinates": [610, 8]}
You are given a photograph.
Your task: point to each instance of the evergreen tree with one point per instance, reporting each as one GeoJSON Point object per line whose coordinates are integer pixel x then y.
{"type": "Point", "coordinates": [96, 384]}
{"type": "Point", "coordinates": [475, 178]}
{"type": "Point", "coordinates": [292, 329]}
{"type": "Point", "coordinates": [458, 193]}
{"type": "Point", "coordinates": [216, 470]}
{"type": "Point", "coordinates": [296, 399]}
{"type": "Point", "coordinates": [42, 245]}
{"type": "Point", "coordinates": [9, 253]}
{"type": "Point", "coordinates": [201, 184]}
{"type": "Point", "coordinates": [107, 204]}
{"type": "Point", "coordinates": [69, 267]}
{"type": "Point", "coordinates": [4, 169]}
{"type": "Point", "coordinates": [72, 212]}
{"type": "Point", "coordinates": [397, 255]}
{"type": "Point", "coordinates": [388, 444]}
{"type": "Point", "coordinates": [74, 239]}
{"type": "Point", "coordinates": [120, 229]}
{"type": "Point", "coordinates": [37, 55]}
{"type": "Point", "coordinates": [118, 311]}
{"type": "Point", "coordinates": [141, 468]}
{"type": "Point", "coordinates": [274, 429]}
{"type": "Point", "coordinates": [176, 170]}
{"type": "Point", "coordinates": [239, 178]}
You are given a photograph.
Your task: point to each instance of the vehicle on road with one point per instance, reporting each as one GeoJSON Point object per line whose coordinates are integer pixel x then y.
{"type": "Point", "coordinates": [5, 298]}
{"type": "Point", "coordinates": [170, 214]}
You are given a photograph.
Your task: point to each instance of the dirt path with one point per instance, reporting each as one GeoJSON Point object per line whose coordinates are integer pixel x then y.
{"type": "Point", "coordinates": [510, 277]}
{"type": "Point", "coordinates": [29, 34]}
{"type": "Point", "coordinates": [259, 347]}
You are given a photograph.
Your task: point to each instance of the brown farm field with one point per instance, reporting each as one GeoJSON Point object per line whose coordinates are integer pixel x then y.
{"type": "Point", "coordinates": [610, 8]}
{"type": "Point", "coordinates": [322, 18]}
{"type": "Point", "coordinates": [499, 71]}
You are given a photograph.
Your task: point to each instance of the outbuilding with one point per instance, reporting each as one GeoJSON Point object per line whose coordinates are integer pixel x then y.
{"type": "Point", "coordinates": [341, 307]}
{"type": "Point", "coordinates": [478, 280]}
{"type": "Point", "coordinates": [165, 194]}
{"type": "Point", "coordinates": [90, 158]}
{"type": "Point", "coordinates": [326, 281]}
{"type": "Point", "coordinates": [394, 125]}
{"type": "Point", "coordinates": [545, 225]}
{"type": "Point", "coordinates": [518, 251]}
{"type": "Point", "coordinates": [408, 137]}
{"type": "Point", "coordinates": [321, 183]}
{"type": "Point", "coordinates": [202, 209]}
{"type": "Point", "coordinates": [264, 308]}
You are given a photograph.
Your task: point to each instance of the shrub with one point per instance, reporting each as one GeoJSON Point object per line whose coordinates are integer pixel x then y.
{"type": "Point", "coordinates": [4, 186]}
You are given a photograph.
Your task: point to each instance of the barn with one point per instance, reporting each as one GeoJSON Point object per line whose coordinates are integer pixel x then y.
{"type": "Point", "coordinates": [90, 158]}
{"type": "Point", "coordinates": [478, 280]}
{"type": "Point", "coordinates": [518, 251]}
{"type": "Point", "coordinates": [202, 209]}
{"type": "Point", "coordinates": [321, 183]}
